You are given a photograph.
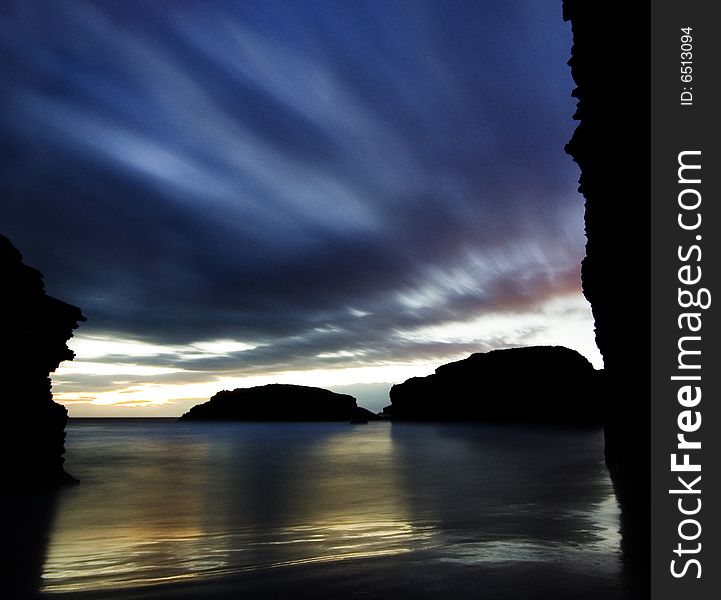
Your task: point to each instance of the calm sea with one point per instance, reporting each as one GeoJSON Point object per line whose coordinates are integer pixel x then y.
{"type": "Point", "coordinates": [162, 502]}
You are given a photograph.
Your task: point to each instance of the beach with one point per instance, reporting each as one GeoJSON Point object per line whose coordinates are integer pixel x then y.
{"type": "Point", "coordinates": [332, 510]}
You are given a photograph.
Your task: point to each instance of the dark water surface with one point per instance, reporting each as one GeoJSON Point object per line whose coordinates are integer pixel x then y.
{"type": "Point", "coordinates": [400, 507]}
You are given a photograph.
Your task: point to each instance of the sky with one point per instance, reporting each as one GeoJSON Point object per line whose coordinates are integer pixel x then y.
{"type": "Point", "coordinates": [342, 194]}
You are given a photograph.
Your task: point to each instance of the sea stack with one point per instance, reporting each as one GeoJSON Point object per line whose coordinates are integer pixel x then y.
{"type": "Point", "coordinates": [35, 329]}
{"type": "Point", "coordinates": [277, 402]}
{"type": "Point", "coordinates": [540, 384]}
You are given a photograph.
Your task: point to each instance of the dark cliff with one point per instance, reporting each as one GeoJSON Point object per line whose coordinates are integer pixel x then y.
{"type": "Point", "coordinates": [611, 147]}
{"type": "Point", "coordinates": [278, 402]}
{"type": "Point", "coordinates": [35, 329]}
{"type": "Point", "coordinates": [541, 384]}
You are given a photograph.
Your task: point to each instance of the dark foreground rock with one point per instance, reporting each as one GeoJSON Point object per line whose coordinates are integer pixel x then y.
{"type": "Point", "coordinates": [542, 384]}
{"type": "Point", "coordinates": [35, 329]}
{"type": "Point", "coordinates": [277, 402]}
{"type": "Point", "coordinates": [616, 272]}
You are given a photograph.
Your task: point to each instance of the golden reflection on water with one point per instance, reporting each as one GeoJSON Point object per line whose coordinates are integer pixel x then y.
{"type": "Point", "coordinates": [162, 521]}
{"type": "Point", "coordinates": [180, 502]}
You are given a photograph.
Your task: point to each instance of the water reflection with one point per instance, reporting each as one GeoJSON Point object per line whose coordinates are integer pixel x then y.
{"type": "Point", "coordinates": [542, 489]}
{"type": "Point", "coordinates": [533, 495]}
{"type": "Point", "coordinates": [164, 501]}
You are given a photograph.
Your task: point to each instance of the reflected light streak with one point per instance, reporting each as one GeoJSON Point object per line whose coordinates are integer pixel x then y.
{"type": "Point", "coordinates": [602, 550]}
{"type": "Point", "coordinates": [107, 538]}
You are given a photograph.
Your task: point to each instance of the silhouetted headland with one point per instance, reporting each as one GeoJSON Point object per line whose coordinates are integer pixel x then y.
{"type": "Point", "coordinates": [616, 270]}
{"type": "Point", "coordinates": [279, 402]}
{"type": "Point", "coordinates": [540, 384]}
{"type": "Point", "coordinates": [35, 329]}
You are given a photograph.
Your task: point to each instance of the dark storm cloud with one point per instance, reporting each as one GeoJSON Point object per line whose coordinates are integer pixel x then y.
{"type": "Point", "coordinates": [271, 171]}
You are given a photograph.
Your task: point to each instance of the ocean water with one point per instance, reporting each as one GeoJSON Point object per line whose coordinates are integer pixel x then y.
{"type": "Point", "coordinates": [166, 503]}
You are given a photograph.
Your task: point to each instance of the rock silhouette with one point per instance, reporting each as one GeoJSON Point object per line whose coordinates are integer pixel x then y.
{"type": "Point", "coordinates": [26, 518]}
{"type": "Point", "coordinates": [278, 402]}
{"type": "Point", "coordinates": [541, 384]}
{"type": "Point", "coordinates": [35, 329]}
{"type": "Point", "coordinates": [616, 271]}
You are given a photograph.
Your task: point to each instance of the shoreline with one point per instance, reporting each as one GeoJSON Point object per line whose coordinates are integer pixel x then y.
{"type": "Point", "coordinates": [397, 578]}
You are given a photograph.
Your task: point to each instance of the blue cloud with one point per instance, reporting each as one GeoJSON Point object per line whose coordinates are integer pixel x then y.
{"type": "Point", "coordinates": [256, 169]}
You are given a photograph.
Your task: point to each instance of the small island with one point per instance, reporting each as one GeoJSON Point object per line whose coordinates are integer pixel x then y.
{"type": "Point", "coordinates": [537, 384]}
{"type": "Point", "coordinates": [279, 402]}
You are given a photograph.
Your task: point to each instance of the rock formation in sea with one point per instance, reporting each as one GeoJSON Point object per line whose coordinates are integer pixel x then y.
{"type": "Point", "coordinates": [540, 384]}
{"type": "Point", "coordinates": [611, 147]}
{"type": "Point", "coordinates": [278, 402]}
{"type": "Point", "coordinates": [35, 329]}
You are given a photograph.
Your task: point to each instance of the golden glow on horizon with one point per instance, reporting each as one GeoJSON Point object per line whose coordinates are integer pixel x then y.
{"type": "Point", "coordinates": [156, 394]}
{"type": "Point", "coordinates": [564, 320]}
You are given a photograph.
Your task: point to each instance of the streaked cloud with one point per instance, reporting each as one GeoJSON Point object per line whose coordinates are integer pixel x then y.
{"type": "Point", "coordinates": [344, 192]}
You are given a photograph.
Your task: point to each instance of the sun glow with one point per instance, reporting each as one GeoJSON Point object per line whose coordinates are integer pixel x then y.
{"type": "Point", "coordinates": [115, 377]}
{"type": "Point", "coordinates": [155, 394]}
{"type": "Point", "coordinates": [564, 321]}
